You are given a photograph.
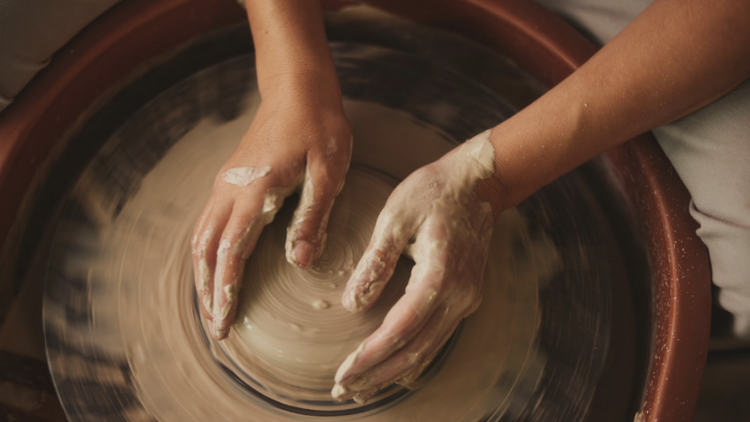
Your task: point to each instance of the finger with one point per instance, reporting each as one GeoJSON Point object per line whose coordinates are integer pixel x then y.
{"type": "Point", "coordinates": [205, 242]}
{"type": "Point", "coordinates": [401, 324]}
{"type": "Point", "coordinates": [435, 269]}
{"type": "Point", "coordinates": [377, 264]}
{"type": "Point", "coordinates": [306, 234]}
{"type": "Point", "coordinates": [237, 243]}
{"type": "Point", "coordinates": [408, 363]}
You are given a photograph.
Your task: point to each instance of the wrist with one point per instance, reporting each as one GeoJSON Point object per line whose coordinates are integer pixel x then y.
{"type": "Point", "coordinates": [492, 191]}
{"type": "Point", "coordinates": [294, 89]}
{"type": "Point", "coordinates": [473, 166]}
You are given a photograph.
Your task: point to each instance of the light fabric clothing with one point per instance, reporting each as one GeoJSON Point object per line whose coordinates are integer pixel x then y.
{"type": "Point", "coordinates": [710, 149]}
{"type": "Point", "coordinates": [600, 20]}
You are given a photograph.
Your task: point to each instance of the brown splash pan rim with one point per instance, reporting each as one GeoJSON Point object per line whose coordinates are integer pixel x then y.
{"type": "Point", "coordinates": [137, 31]}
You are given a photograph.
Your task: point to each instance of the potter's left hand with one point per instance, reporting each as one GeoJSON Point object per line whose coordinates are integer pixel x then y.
{"type": "Point", "coordinates": [435, 217]}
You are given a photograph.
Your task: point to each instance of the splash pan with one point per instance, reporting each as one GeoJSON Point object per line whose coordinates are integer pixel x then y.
{"type": "Point", "coordinates": [120, 311]}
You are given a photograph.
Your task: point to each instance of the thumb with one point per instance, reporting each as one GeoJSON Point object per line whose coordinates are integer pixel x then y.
{"type": "Point", "coordinates": [306, 235]}
{"type": "Point", "coordinates": [378, 262]}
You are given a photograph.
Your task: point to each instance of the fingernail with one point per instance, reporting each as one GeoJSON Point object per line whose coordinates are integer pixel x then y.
{"type": "Point", "coordinates": [216, 332]}
{"type": "Point", "coordinates": [338, 391]}
{"type": "Point", "coordinates": [304, 253]}
{"type": "Point", "coordinates": [363, 396]}
{"type": "Point", "coordinates": [221, 334]}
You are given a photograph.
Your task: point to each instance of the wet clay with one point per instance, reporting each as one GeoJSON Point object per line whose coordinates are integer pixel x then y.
{"type": "Point", "coordinates": [291, 332]}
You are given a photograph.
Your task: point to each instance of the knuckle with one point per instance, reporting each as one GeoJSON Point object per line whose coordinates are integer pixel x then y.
{"type": "Point", "coordinates": [426, 174]}
{"type": "Point", "coordinates": [391, 229]}
{"type": "Point", "coordinates": [377, 266]}
{"type": "Point", "coordinates": [329, 177]}
{"type": "Point", "coordinates": [312, 217]}
{"type": "Point", "coordinates": [468, 297]}
{"type": "Point", "coordinates": [219, 178]}
{"type": "Point", "coordinates": [225, 250]}
{"type": "Point", "coordinates": [473, 293]}
{"type": "Point", "coordinates": [199, 249]}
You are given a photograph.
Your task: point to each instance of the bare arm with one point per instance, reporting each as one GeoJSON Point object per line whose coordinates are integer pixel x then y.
{"type": "Point", "coordinates": [291, 48]}
{"type": "Point", "coordinates": [673, 59]}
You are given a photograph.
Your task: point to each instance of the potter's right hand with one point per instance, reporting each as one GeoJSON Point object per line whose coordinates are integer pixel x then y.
{"type": "Point", "coordinates": [436, 218]}
{"type": "Point", "coordinates": [299, 137]}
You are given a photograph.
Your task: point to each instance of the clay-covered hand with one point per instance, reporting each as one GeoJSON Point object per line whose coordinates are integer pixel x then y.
{"type": "Point", "coordinates": [434, 217]}
{"type": "Point", "coordinates": [297, 139]}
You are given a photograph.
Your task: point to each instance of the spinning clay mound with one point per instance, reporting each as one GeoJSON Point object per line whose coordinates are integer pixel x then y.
{"type": "Point", "coordinates": [131, 331]}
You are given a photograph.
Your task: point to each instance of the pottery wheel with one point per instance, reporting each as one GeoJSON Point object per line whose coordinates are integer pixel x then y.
{"type": "Point", "coordinates": [125, 340]}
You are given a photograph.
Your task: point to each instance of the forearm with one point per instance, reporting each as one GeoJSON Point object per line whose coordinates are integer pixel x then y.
{"type": "Point", "coordinates": [292, 52]}
{"type": "Point", "coordinates": [675, 58]}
